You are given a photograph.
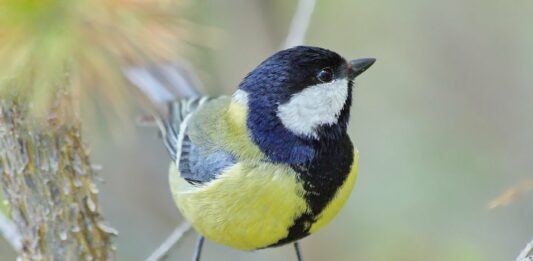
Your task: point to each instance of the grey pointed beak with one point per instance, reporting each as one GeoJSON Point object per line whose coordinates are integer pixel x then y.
{"type": "Point", "coordinates": [356, 67]}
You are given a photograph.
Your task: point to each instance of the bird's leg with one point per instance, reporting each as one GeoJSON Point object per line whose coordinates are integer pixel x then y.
{"type": "Point", "coordinates": [199, 245]}
{"type": "Point", "coordinates": [297, 249]}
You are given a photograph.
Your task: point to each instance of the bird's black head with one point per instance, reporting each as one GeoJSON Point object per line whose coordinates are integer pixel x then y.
{"type": "Point", "coordinates": [298, 96]}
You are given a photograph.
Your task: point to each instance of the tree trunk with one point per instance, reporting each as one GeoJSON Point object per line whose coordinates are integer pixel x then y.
{"type": "Point", "coordinates": [48, 180]}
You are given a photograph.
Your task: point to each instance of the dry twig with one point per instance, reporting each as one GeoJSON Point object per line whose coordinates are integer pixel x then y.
{"type": "Point", "coordinates": [170, 242]}
{"type": "Point", "coordinates": [512, 194]}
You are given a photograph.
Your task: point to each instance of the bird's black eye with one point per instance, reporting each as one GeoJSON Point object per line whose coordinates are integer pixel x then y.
{"type": "Point", "coordinates": [325, 75]}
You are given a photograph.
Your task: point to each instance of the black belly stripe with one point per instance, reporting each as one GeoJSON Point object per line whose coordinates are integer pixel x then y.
{"type": "Point", "coordinates": [322, 178]}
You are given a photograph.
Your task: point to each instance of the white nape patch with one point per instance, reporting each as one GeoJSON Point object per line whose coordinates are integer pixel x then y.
{"type": "Point", "coordinates": [314, 106]}
{"type": "Point", "coordinates": [241, 97]}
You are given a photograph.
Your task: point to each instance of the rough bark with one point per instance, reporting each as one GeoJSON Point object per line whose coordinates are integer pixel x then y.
{"type": "Point", "coordinates": [49, 183]}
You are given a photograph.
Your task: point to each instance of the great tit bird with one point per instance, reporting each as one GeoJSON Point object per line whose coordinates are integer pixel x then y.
{"type": "Point", "coordinates": [272, 163]}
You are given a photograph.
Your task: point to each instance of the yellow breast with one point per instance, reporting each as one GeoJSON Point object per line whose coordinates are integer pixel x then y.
{"type": "Point", "coordinates": [250, 206]}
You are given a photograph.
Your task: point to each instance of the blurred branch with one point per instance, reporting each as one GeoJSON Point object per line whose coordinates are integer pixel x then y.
{"type": "Point", "coordinates": [10, 233]}
{"type": "Point", "coordinates": [300, 23]}
{"type": "Point", "coordinates": [48, 181]}
{"type": "Point", "coordinates": [527, 252]}
{"type": "Point", "coordinates": [170, 242]}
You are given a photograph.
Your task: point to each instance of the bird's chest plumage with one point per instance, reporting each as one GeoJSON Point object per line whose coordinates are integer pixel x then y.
{"type": "Point", "coordinates": [258, 204]}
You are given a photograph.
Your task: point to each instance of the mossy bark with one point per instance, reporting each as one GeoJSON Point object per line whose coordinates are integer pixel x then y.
{"type": "Point", "coordinates": [47, 178]}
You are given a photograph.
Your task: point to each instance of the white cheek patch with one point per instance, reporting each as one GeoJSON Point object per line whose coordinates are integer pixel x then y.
{"type": "Point", "coordinates": [314, 106]}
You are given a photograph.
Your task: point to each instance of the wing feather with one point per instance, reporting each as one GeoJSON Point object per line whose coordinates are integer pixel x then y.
{"type": "Point", "coordinates": [198, 162]}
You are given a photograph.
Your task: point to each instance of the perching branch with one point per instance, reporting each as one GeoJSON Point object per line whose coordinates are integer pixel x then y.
{"type": "Point", "coordinates": [170, 242]}
{"type": "Point", "coordinates": [49, 183]}
{"type": "Point", "coordinates": [300, 23]}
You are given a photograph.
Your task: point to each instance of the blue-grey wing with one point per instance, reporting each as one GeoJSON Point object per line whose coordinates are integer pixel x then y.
{"type": "Point", "coordinates": [200, 161]}
{"type": "Point", "coordinates": [198, 166]}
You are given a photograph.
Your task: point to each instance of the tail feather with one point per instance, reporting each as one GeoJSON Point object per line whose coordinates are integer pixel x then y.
{"type": "Point", "coordinates": [176, 122]}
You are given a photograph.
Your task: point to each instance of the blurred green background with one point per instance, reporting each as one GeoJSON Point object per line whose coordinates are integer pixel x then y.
{"type": "Point", "coordinates": [443, 123]}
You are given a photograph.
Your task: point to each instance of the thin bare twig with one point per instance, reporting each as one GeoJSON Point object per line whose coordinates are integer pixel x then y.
{"type": "Point", "coordinates": [170, 242]}
{"type": "Point", "coordinates": [300, 23]}
{"type": "Point", "coordinates": [527, 252]}
{"type": "Point", "coordinates": [10, 233]}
